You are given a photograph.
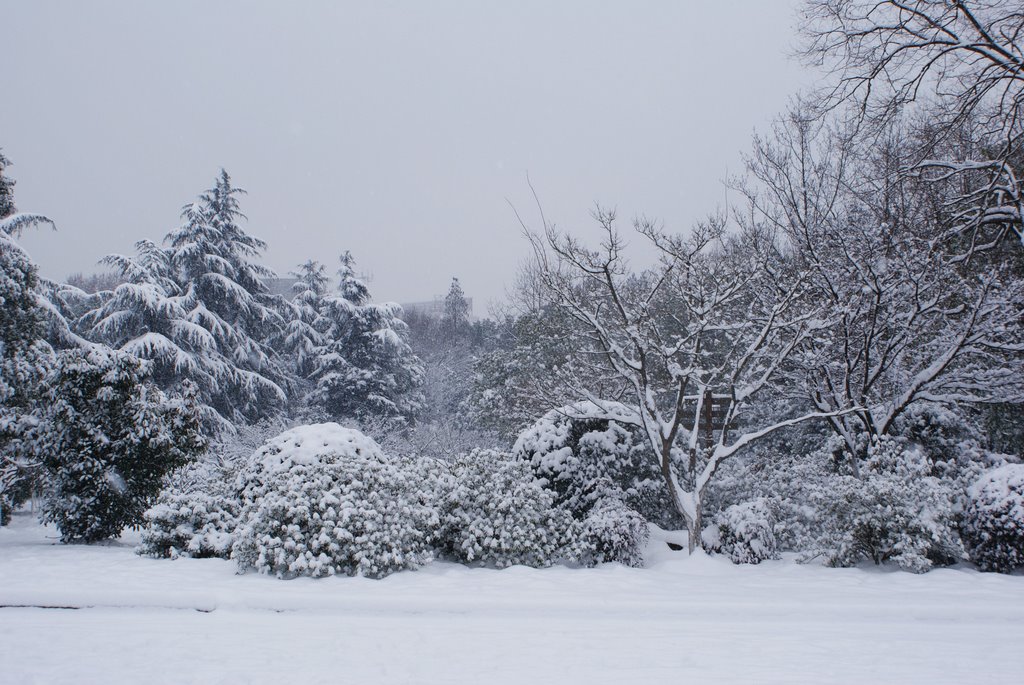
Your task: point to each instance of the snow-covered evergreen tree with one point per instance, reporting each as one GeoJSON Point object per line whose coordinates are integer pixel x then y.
{"type": "Point", "coordinates": [6, 189]}
{"type": "Point", "coordinates": [300, 337]}
{"type": "Point", "coordinates": [350, 286]}
{"type": "Point", "coordinates": [212, 259]}
{"type": "Point", "coordinates": [198, 310]}
{"type": "Point", "coordinates": [25, 356]}
{"type": "Point", "coordinates": [364, 366]}
{"type": "Point", "coordinates": [107, 439]}
{"type": "Point", "coordinates": [455, 323]}
{"type": "Point", "coordinates": [147, 317]}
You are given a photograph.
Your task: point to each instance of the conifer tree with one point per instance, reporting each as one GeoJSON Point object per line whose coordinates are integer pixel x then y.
{"type": "Point", "coordinates": [455, 323]}
{"type": "Point", "coordinates": [365, 367]}
{"type": "Point", "coordinates": [25, 356]}
{"type": "Point", "coordinates": [6, 189]}
{"type": "Point", "coordinates": [301, 338]}
{"type": "Point", "coordinates": [198, 309]}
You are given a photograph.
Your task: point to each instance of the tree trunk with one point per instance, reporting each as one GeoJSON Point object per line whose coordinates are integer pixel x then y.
{"type": "Point", "coordinates": [693, 528]}
{"type": "Point", "coordinates": [694, 523]}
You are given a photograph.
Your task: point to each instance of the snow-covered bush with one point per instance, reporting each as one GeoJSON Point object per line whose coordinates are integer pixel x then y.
{"type": "Point", "coordinates": [494, 513]}
{"type": "Point", "coordinates": [612, 531]}
{"type": "Point", "coordinates": [789, 475]}
{"type": "Point", "coordinates": [744, 532]}
{"type": "Point", "coordinates": [994, 521]}
{"type": "Point", "coordinates": [585, 460]}
{"type": "Point", "coordinates": [896, 511]}
{"type": "Point", "coordinates": [191, 524]}
{"type": "Point", "coordinates": [322, 500]}
{"type": "Point", "coordinates": [195, 517]}
{"type": "Point", "coordinates": [107, 439]}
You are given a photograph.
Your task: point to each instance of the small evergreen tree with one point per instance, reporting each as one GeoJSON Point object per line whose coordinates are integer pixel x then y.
{"type": "Point", "coordinates": [107, 440]}
{"type": "Point", "coordinates": [365, 367]}
{"type": "Point", "coordinates": [301, 337]}
{"type": "Point", "coordinates": [6, 189]}
{"type": "Point", "coordinates": [455, 323]}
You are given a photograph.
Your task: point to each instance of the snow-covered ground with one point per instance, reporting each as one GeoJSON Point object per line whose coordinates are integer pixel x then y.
{"type": "Point", "coordinates": [682, 620]}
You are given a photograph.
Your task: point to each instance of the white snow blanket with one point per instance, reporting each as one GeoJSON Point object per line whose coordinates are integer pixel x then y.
{"type": "Point", "coordinates": [699, 619]}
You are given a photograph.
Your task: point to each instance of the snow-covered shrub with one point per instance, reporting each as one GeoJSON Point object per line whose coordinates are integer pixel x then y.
{"type": "Point", "coordinates": [744, 532]}
{"type": "Point", "coordinates": [951, 442]}
{"type": "Point", "coordinates": [195, 517]}
{"type": "Point", "coordinates": [494, 513]}
{"type": "Point", "coordinates": [896, 511]}
{"type": "Point", "coordinates": [994, 521]}
{"type": "Point", "coordinates": [322, 500]}
{"type": "Point", "coordinates": [612, 531]}
{"type": "Point", "coordinates": [107, 439]}
{"type": "Point", "coordinates": [789, 479]}
{"type": "Point", "coordinates": [585, 460]}
{"type": "Point", "coordinates": [192, 524]}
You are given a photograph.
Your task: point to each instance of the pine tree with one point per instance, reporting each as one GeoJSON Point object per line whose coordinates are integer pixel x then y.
{"type": "Point", "coordinates": [147, 316]}
{"type": "Point", "coordinates": [350, 286]}
{"type": "Point", "coordinates": [6, 189]}
{"type": "Point", "coordinates": [455, 323]}
{"type": "Point", "coordinates": [301, 338]}
{"type": "Point", "coordinates": [198, 309]}
{"type": "Point", "coordinates": [365, 367]}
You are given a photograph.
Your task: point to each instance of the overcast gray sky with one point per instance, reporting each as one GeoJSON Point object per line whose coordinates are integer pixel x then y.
{"type": "Point", "coordinates": [396, 130]}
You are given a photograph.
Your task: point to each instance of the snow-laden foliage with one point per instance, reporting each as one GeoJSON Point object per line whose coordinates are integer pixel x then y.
{"type": "Point", "coordinates": [611, 532]}
{"type": "Point", "coordinates": [455, 321]}
{"type": "Point", "coordinates": [323, 500]}
{"type": "Point", "coordinates": [107, 439]}
{"type": "Point", "coordinates": [24, 362]}
{"type": "Point", "coordinates": [363, 366]}
{"type": "Point", "coordinates": [584, 460]}
{"type": "Point", "coordinates": [191, 524]}
{"type": "Point", "coordinates": [744, 532]}
{"type": "Point", "coordinates": [6, 189]}
{"type": "Point", "coordinates": [494, 513]}
{"type": "Point", "coordinates": [896, 511]}
{"type": "Point", "coordinates": [195, 517]}
{"type": "Point", "coordinates": [300, 337]}
{"type": "Point", "coordinates": [789, 474]}
{"type": "Point", "coordinates": [198, 309]}
{"type": "Point", "coordinates": [197, 513]}
{"type": "Point", "coordinates": [994, 520]}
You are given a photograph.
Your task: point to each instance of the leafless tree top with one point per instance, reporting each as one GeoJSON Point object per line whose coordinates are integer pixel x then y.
{"type": "Point", "coordinates": [888, 53]}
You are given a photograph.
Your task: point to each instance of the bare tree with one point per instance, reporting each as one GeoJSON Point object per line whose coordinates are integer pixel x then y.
{"type": "Point", "coordinates": [963, 61]}
{"type": "Point", "coordinates": [906, 323]}
{"type": "Point", "coordinates": [716, 312]}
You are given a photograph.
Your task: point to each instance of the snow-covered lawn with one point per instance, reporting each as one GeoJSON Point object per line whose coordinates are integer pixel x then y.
{"type": "Point", "coordinates": [682, 620]}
